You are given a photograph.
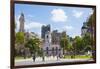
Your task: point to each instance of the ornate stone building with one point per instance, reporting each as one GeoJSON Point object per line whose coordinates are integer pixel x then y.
{"type": "Point", "coordinates": [44, 30]}
{"type": "Point", "coordinates": [21, 20]}
{"type": "Point", "coordinates": [51, 41]}
{"type": "Point", "coordinates": [21, 49]}
{"type": "Point", "coordinates": [84, 29]}
{"type": "Point", "coordinates": [56, 36]}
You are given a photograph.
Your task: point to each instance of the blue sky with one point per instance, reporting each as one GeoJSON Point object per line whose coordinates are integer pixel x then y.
{"type": "Point", "coordinates": [69, 19]}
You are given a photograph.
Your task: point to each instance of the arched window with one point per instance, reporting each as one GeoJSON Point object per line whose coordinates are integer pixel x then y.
{"type": "Point", "coordinates": [47, 36]}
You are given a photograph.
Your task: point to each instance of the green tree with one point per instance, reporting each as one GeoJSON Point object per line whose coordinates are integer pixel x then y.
{"type": "Point", "coordinates": [64, 42]}
{"type": "Point", "coordinates": [33, 44]}
{"type": "Point", "coordinates": [88, 48]}
{"type": "Point", "coordinates": [87, 42]}
{"type": "Point", "coordinates": [19, 43]}
{"type": "Point", "coordinates": [19, 38]}
{"type": "Point", "coordinates": [78, 45]}
{"type": "Point", "coordinates": [92, 24]}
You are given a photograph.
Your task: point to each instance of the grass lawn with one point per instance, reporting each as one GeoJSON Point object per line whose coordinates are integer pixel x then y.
{"type": "Point", "coordinates": [20, 57]}
{"type": "Point", "coordinates": [78, 57]}
{"type": "Point", "coordinates": [65, 57]}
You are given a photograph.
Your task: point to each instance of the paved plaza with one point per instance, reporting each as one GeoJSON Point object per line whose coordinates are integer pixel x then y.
{"type": "Point", "coordinates": [48, 60]}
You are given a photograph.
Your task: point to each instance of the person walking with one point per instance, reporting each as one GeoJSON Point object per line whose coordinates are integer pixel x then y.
{"type": "Point", "coordinates": [57, 56]}
{"type": "Point", "coordinates": [43, 57]}
{"type": "Point", "coordinates": [34, 57]}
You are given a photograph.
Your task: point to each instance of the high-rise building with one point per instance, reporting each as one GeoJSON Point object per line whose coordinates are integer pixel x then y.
{"type": "Point", "coordinates": [21, 21]}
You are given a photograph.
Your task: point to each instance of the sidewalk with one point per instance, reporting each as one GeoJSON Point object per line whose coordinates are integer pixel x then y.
{"type": "Point", "coordinates": [39, 59]}
{"type": "Point", "coordinates": [47, 61]}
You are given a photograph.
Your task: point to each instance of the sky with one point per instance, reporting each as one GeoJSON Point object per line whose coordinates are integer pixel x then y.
{"type": "Point", "coordinates": [69, 19]}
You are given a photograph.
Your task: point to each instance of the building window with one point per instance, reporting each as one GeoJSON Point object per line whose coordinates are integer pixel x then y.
{"type": "Point", "coordinates": [47, 50]}
{"type": "Point", "coordinates": [47, 36]}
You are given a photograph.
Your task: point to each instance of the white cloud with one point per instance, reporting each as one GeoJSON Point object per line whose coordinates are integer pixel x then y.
{"type": "Point", "coordinates": [33, 25]}
{"type": "Point", "coordinates": [36, 26]}
{"type": "Point", "coordinates": [17, 22]}
{"type": "Point", "coordinates": [77, 14]}
{"type": "Point", "coordinates": [29, 25]}
{"type": "Point", "coordinates": [58, 15]}
{"type": "Point", "coordinates": [91, 12]}
{"type": "Point", "coordinates": [68, 27]}
{"type": "Point", "coordinates": [30, 16]}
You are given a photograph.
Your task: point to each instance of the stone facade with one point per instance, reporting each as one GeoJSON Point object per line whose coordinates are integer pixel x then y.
{"type": "Point", "coordinates": [21, 20]}
{"type": "Point", "coordinates": [84, 29]}
{"type": "Point", "coordinates": [51, 41]}
{"type": "Point", "coordinates": [44, 30]}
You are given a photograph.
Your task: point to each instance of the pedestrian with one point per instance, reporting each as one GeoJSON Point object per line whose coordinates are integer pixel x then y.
{"type": "Point", "coordinates": [34, 57]}
{"type": "Point", "coordinates": [43, 56]}
{"type": "Point", "coordinates": [57, 56]}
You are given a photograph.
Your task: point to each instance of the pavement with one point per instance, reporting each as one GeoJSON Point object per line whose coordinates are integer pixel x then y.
{"type": "Point", "coordinates": [48, 60]}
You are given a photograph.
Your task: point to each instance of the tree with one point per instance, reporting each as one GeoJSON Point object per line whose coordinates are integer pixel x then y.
{"type": "Point", "coordinates": [92, 24]}
{"type": "Point", "coordinates": [88, 48]}
{"type": "Point", "coordinates": [33, 44]}
{"type": "Point", "coordinates": [19, 43]}
{"type": "Point", "coordinates": [19, 38]}
{"type": "Point", "coordinates": [87, 42]}
{"type": "Point", "coordinates": [78, 45]}
{"type": "Point", "coordinates": [64, 42]}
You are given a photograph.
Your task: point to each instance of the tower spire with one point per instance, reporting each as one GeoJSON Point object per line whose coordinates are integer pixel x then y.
{"type": "Point", "coordinates": [21, 21]}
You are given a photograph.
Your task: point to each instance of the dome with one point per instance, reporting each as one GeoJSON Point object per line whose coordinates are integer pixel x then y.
{"type": "Point", "coordinates": [83, 27]}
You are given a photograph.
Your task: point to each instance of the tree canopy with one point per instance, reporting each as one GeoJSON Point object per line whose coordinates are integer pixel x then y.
{"type": "Point", "coordinates": [19, 37]}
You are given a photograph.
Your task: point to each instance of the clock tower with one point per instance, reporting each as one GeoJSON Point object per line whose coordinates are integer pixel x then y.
{"type": "Point", "coordinates": [21, 21]}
